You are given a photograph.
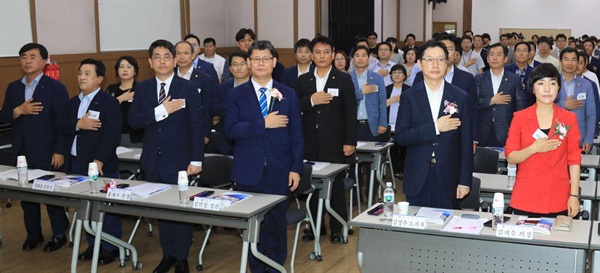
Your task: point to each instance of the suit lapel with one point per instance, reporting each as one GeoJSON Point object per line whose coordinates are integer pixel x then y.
{"type": "Point", "coordinates": [251, 97]}
{"type": "Point", "coordinates": [503, 84]}
{"type": "Point", "coordinates": [423, 101]}
{"type": "Point", "coordinates": [488, 87]}
{"type": "Point", "coordinates": [447, 96]}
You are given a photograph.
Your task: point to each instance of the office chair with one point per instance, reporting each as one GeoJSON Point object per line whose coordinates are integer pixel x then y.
{"type": "Point", "coordinates": [485, 161]}
{"type": "Point", "coordinates": [295, 216]}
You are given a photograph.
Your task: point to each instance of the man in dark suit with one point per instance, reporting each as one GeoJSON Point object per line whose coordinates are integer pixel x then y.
{"type": "Point", "coordinates": [434, 122]}
{"type": "Point", "coordinates": [170, 110]}
{"type": "Point", "coordinates": [32, 105]}
{"type": "Point", "coordinates": [409, 43]}
{"type": "Point", "coordinates": [92, 125]}
{"type": "Point", "coordinates": [329, 123]}
{"type": "Point", "coordinates": [522, 69]}
{"type": "Point", "coordinates": [244, 38]}
{"type": "Point", "coordinates": [593, 62]}
{"type": "Point", "coordinates": [303, 64]}
{"type": "Point", "coordinates": [581, 73]}
{"type": "Point", "coordinates": [499, 97]}
{"type": "Point", "coordinates": [263, 117]}
{"type": "Point", "coordinates": [198, 63]}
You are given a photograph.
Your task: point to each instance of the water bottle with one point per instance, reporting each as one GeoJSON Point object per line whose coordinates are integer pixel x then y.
{"type": "Point", "coordinates": [22, 170]}
{"type": "Point", "coordinates": [388, 200]}
{"type": "Point", "coordinates": [512, 175]}
{"type": "Point", "coordinates": [497, 210]}
{"type": "Point", "coordinates": [182, 184]}
{"type": "Point", "coordinates": [93, 177]}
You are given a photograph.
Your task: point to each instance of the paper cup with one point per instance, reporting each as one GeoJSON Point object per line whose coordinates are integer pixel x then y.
{"type": "Point", "coordinates": [93, 168]}
{"type": "Point", "coordinates": [182, 177]}
{"type": "Point", "coordinates": [21, 161]}
{"type": "Point", "coordinates": [403, 208]}
{"type": "Point", "coordinates": [498, 200]}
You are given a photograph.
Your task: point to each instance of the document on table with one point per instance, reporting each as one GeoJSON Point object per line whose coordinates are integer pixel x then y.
{"type": "Point", "coordinates": [434, 216]}
{"type": "Point", "coordinates": [360, 143]}
{"type": "Point", "coordinates": [122, 150]}
{"type": "Point", "coordinates": [465, 225]}
{"type": "Point", "coordinates": [137, 156]}
{"type": "Point", "coordinates": [147, 189]}
{"type": "Point", "coordinates": [31, 174]}
{"type": "Point", "coordinates": [70, 180]}
{"type": "Point", "coordinates": [320, 165]}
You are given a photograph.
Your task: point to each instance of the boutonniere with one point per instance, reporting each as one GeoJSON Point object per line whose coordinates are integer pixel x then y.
{"type": "Point", "coordinates": [275, 94]}
{"type": "Point", "coordinates": [450, 107]}
{"type": "Point", "coordinates": [560, 129]}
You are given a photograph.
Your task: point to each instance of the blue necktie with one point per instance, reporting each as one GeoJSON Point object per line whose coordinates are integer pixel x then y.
{"type": "Point", "coordinates": [262, 100]}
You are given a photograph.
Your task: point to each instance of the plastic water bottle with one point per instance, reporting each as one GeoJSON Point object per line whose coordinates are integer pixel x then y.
{"type": "Point", "coordinates": [512, 175]}
{"type": "Point", "coordinates": [182, 184]}
{"type": "Point", "coordinates": [93, 177]}
{"type": "Point", "coordinates": [22, 170]}
{"type": "Point", "coordinates": [497, 210]}
{"type": "Point", "coordinates": [388, 200]}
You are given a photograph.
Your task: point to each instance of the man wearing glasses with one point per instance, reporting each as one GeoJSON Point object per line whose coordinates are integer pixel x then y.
{"type": "Point", "coordinates": [434, 123]}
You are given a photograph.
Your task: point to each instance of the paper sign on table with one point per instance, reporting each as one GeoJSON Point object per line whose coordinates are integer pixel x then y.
{"type": "Point", "coordinates": [119, 194]}
{"type": "Point", "coordinates": [43, 185]}
{"type": "Point", "coordinates": [207, 203]}
{"type": "Point", "coordinates": [407, 221]}
{"type": "Point", "coordinates": [514, 231]}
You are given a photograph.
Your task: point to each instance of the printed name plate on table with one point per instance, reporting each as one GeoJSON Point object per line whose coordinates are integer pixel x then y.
{"type": "Point", "coordinates": [119, 194]}
{"type": "Point", "coordinates": [122, 150]}
{"type": "Point", "coordinates": [408, 221]}
{"type": "Point", "coordinates": [31, 174]}
{"type": "Point", "coordinates": [207, 203]}
{"type": "Point", "coordinates": [43, 185]}
{"type": "Point", "coordinates": [434, 216]}
{"type": "Point", "coordinates": [514, 231]}
{"type": "Point", "coordinates": [465, 225]}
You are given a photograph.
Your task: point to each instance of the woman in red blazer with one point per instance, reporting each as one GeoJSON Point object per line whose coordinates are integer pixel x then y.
{"type": "Point", "coordinates": [544, 141]}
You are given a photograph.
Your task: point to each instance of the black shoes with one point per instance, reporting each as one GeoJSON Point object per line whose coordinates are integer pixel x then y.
{"type": "Point", "coordinates": [182, 266]}
{"type": "Point", "coordinates": [165, 265]}
{"type": "Point", "coordinates": [55, 243]}
{"type": "Point", "coordinates": [336, 237]}
{"type": "Point", "coordinates": [87, 254]}
{"type": "Point", "coordinates": [108, 256]}
{"type": "Point", "coordinates": [31, 244]}
{"type": "Point", "coordinates": [310, 236]}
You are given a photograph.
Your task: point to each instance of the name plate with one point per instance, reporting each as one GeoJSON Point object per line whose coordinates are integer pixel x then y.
{"type": "Point", "coordinates": [43, 185]}
{"type": "Point", "coordinates": [119, 194]}
{"type": "Point", "coordinates": [207, 203]}
{"type": "Point", "coordinates": [407, 221]}
{"type": "Point", "coordinates": [514, 231]}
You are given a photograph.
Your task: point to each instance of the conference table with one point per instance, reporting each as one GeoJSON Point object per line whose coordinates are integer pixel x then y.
{"type": "Point", "coordinates": [381, 246]}
{"type": "Point", "coordinates": [62, 196]}
{"type": "Point", "coordinates": [372, 152]}
{"type": "Point", "coordinates": [595, 247]}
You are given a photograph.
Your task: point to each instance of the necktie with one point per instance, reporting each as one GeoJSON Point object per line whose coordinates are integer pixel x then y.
{"type": "Point", "coordinates": [262, 100]}
{"type": "Point", "coordinates": [162, 94]}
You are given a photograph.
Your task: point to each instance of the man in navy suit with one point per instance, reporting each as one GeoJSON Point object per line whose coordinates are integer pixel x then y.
{"type": "Point", "coordinates": [198, 63]}
{"type": "Point", "coordinates": [243, 39]}
{"type": "Point", "coordinates": [303, 63]}
{"type": "Point", "coordinates": [499, 97]}
{"type": "Point", "coordinates": [170, 110]}
{"type": "Point", "coordinates": [522, 69]}
{"type": "Point", "coordinates": [263, 117]}
{"type": "Point", "coordinates": [32, 105]}
{"type": "Point", "coordinates": [434, 122]}
{"type": "Point", "coordinates": [92, 124]}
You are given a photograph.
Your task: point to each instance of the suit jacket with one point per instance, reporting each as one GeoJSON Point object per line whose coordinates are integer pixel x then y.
{"type": "Point", "coordinates": [586, 115]}
{"type": "Point", "coordinates": [290, 75]}
{"type": "Point", "coordinates": [594, 66]}
{"type": "Point", "coordinates": [278, 71]}
{"type": "Point", "coordinates": [388, 94]}
{"type": "Point", "coordinates": [92, 145]}
{"type": "Point", "coordinates": [500, 114]}
{"type": "Point", "coordinates": [465, 81]}
{"type": "Point", "coordinates": [35, 136]}
{"type": "Point", "coordinates": [543, 179]}
{"type": "Point", "coordinates": [223, 143]}
{"type": "Point", "coordinates": [279, 149]}
{"type": "Point", "coordinates": [172, 143]}
{"type": "Point", "coordinates": [529, 96]}
{"type": "Point", "coordinates": [328, 127]}
{"type": "Point", "coordinates": [415, 129]}
{"type": "Point", "coordinates": [374, 102]}
{"type": "Point", "coordinates": [207, 68]}
{"type": "Point", "coordinates": [596, 102]}
{"type": "Point", "coordinates": [211, 98]}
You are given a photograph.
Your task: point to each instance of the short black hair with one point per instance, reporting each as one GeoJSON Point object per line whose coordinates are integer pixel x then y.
{"type": "Point", "coordinates": [302, 43]}
{"type": "Point", "coordinates": [560, 35]}
{"type": "Point", "coordinates": [523, 43]}
{"type": "Point", "coordinates": [30, 46]}
{"type": "Point", "coordinates": [209, 40]}
{"type": "Point", "coordinates": [161, 43]}
{"type": "Point", "coordinates": [241, 34]}
{"type": "Point", "coordinates": [323, 40]}
{"type": "Point", "coordinates": [503, 35]}
{"type": "Point", "coordinates": [359, 48]}
{"type": "Point", "coordinates": [383, 43]}
{"type": "Point", "coordinates": [131, 61]}
{"type": "Point", "coordinates": [467, 31]}
{"type": "Point", "coordinates": [581, 54]}
{"type": "Point", "coordinates": [410, 35]}
{"type": "Point", "coordinates": [486, 36]}
{"type": "Point", "coordinates": [466, 37]}
{"type": "Point", "coordinates": [584, 36]}
{"type": "Point", "coordinates": [504, 49]}
{"type": "Point", "coordinates": [100, 68]}
{"type": "Point", "coordinates": [358, 40]}
{"type": "Point", "coordinates": [567, 50]}
{"type": "Point", "coordinates": [541, 71]}
{"type": "Point", "coordinates": [589, 41]}
{"type": "Point", "coordinates": [478, 36]}
{"type": "Point", "coordinates": [534, 36]}
{"type": "Point", "coordinates": [432, 44]}
{"type": "Point", "coordinates": [398, 67]}
{"type": "Point", "coordinates": [191, 35]}
{"type": "Point", "coordinates": [416, 54]}
{"type": "Point", "coordinates": [544, 39]}
{"type": "Point", "coordinates": [263, 45]}
{"type": "Point", "coordinates": [532, 46]}
{"type": "Point", "coordinates": [238, 53]}
{"type": "Point", "coordinates": [184, 42]}
{"type": "Point", "coordinates": [373, 33]}
{"type": "Point", "coordinates": [444, 36]}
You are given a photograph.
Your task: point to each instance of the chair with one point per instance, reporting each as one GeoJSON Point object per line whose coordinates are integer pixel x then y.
{"type": "Point", "coordinates": [473, 200]}
{"type": "Point", "coordinates": [216, 173]}
{"type": "Point", "coordinates": [295, 216]}
{"type": "Point", "coordinates": [485, 161]}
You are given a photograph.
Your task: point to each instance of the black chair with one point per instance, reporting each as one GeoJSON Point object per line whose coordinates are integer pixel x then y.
{"type": "Point", "coordinates": [485, 161]}
{"type": "Point", "coordinates": [473, 200]}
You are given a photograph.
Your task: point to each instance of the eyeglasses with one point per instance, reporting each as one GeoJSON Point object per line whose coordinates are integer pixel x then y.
{"type": "Point", "coordinates": [430, 60]}
{"type": "Point", "coordinates": [263, 59]}
{"type": "Point", "coordinates": [242, 64]}
{"type": "Point", "coordinates": [166, 57]}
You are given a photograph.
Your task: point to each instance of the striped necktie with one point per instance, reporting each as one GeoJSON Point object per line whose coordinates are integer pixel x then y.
{"type": "Point", "coordinates": [162, 94]}
{"type": "Point", "coordinates": [262, 100]}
